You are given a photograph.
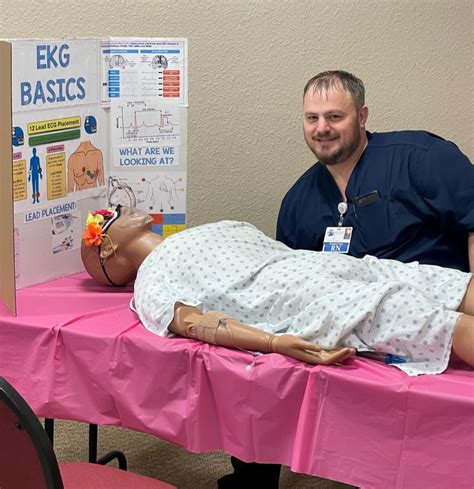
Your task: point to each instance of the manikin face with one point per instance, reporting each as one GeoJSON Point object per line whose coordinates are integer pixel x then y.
{"type": "Point", "coordinates": [333, 129]}
{"type": "Point", "coordinates": [129, 225]}
{"type": "Point", "coordinates": [110, 263]}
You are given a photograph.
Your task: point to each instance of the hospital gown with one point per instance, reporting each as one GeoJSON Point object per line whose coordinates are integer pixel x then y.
{"type": "Point", "coordinates": [326, 298]}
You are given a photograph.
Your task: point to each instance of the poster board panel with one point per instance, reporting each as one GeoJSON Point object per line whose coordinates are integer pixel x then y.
{"type": "Point", "coordinates": [7, 255]}
{"type": "Point", "coordinates": [94, 123]}
{"type": "Point", "coordinates": [60, 156]}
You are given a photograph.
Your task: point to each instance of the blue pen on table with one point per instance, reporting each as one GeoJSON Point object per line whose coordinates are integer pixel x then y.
{"type": "Point", "coordinates": [382, 357]}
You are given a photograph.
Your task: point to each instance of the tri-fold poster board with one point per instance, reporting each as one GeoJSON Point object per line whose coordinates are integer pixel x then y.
{"type": "Point", "coordinates": [86, 124]}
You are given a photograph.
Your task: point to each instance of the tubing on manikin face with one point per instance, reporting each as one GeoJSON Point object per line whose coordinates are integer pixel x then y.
{"type": "Point", "coordinates": [107, 225]}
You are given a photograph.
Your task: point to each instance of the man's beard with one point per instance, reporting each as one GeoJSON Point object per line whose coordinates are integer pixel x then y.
{"type": "Point", "coordinates": [342, 154]}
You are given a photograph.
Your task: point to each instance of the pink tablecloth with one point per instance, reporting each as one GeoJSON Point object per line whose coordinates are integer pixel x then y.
{"type": "Point", "coordinates": [77, 352]}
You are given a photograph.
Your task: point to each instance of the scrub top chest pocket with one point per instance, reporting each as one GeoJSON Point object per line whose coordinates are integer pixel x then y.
{"type": "Point", "coordinates": [382, 224]}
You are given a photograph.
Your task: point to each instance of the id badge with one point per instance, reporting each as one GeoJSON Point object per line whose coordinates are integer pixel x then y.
{"type": "Point", "coordinates": [337, 240]}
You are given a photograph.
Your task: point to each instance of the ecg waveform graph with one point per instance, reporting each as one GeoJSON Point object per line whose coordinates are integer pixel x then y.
{"type": "Point", "coordinates": [150, 124]}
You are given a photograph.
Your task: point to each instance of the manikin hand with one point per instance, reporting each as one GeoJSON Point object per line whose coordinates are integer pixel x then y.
{"type": "Point", "coordinates": [309, 352]}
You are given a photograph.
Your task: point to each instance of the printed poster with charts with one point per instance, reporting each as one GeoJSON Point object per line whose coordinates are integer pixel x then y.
{"type": "Point", "coordinates": [148, 161]}
{"type": "Point", "coordinates": [95, 122]}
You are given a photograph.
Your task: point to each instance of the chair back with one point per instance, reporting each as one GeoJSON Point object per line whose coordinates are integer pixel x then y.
{"type": "Point", "coordinates": [27, 460]}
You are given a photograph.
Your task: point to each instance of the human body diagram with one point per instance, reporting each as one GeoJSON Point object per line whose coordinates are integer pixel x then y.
{"type": "Point", "coordinates": [35, 173]}
{"type": "Point", "coordinates": [161, 192]}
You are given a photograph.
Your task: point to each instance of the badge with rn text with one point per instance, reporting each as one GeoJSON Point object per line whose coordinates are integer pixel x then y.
{"type": "Point", "coordinates": [337, 240]}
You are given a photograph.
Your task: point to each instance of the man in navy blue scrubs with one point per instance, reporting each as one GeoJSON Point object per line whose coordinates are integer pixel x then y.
{"type": "Point", "coordinates": [405, 195]}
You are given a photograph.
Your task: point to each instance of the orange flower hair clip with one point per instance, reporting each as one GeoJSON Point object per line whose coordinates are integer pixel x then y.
{"type": "Point", "coordinates": [96, 224]}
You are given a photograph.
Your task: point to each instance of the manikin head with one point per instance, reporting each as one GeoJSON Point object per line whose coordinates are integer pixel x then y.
{"type": "Point", "coordinates": [115, 243]}
{"type": "Point", "coordinates": [335, 115]}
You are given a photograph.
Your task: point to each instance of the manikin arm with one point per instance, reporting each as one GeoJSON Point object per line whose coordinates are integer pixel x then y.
{"type": "Point", "coordinates": [217, 328]}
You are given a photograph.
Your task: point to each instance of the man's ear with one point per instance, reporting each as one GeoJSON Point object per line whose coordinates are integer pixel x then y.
{"type": "Point", "coordinates": [107, 248]}
{"type": "Point", "coordinates": [363, 115]}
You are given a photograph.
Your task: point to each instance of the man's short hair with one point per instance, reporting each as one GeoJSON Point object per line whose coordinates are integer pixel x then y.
{"type": "Point", "coordinates": [327, 80]}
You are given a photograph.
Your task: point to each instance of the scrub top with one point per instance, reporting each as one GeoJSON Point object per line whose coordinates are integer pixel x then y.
{"type": "Point", "coordinates": [410, 198]}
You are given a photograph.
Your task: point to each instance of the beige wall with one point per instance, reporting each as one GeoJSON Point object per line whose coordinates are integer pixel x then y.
{"type": "Point", "coordinates": [249, 60]}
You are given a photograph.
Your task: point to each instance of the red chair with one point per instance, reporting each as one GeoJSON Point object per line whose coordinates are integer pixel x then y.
{"type": "Point", "coordinates": [27, 459]}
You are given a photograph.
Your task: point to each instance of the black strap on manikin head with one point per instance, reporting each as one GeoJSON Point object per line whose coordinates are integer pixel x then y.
{"type": "Point", "coordinates": [105, 228]}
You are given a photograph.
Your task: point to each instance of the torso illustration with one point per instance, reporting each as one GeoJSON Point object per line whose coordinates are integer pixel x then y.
{"type": "Point", "coordinates": [156, 193]}
{"type": "Point", "coordinates": [85, 167]}
{"type": "Point", "coordinates": [159, 62]}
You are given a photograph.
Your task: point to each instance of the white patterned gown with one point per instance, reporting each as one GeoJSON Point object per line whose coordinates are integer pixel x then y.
{"type": "Point", "coordinates": [326, 298]}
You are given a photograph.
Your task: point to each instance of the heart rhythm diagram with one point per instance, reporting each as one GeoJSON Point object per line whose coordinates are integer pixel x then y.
{"type": "Point", "coordinates": [145, 123]}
